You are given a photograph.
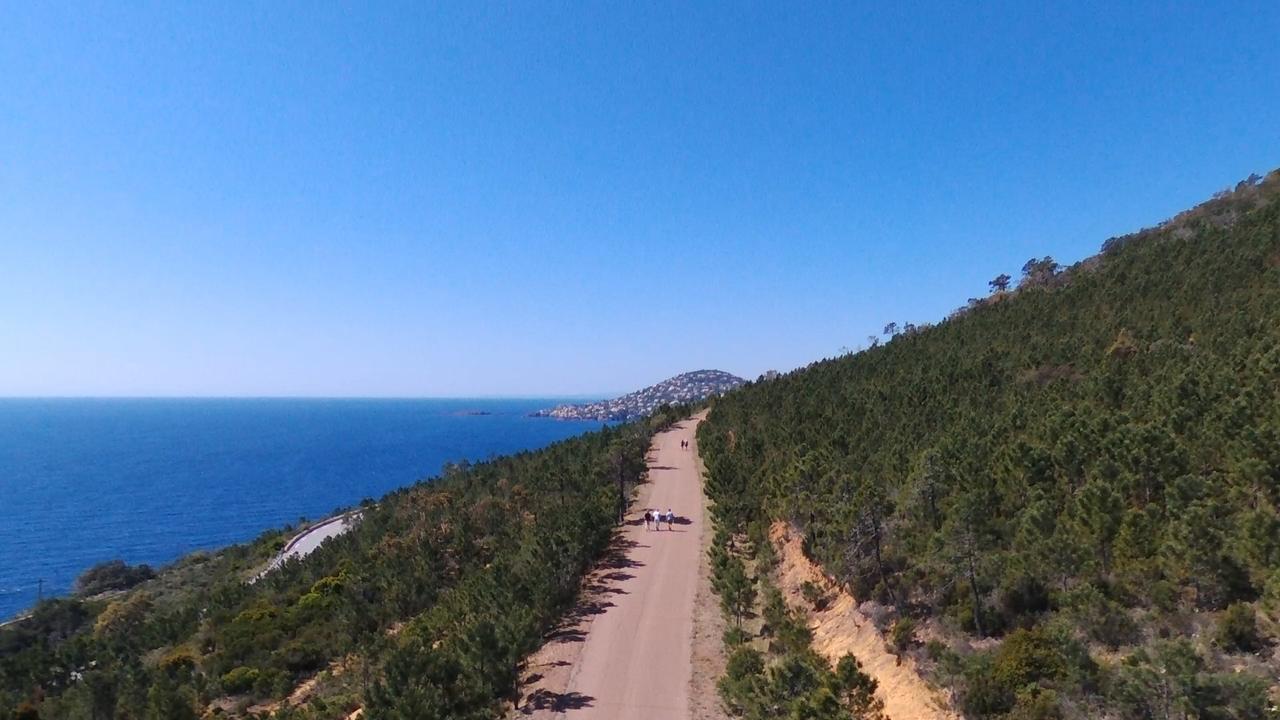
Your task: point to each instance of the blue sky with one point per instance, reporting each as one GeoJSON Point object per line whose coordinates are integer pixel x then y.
{"type": "Point", "coordinates": [475, 199]}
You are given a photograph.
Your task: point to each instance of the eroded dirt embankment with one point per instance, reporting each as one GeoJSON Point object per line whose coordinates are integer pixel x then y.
{"type": "Point", "coordinates": [840, 628]}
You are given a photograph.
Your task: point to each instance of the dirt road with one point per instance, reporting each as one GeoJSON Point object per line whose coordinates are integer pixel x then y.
{"type": "Point", "coordinates": [627, 652]}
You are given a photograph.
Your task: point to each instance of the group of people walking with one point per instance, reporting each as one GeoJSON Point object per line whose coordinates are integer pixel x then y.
{"type": "Point", "coordinates": [655, 518]}
{"type": "Point", "coordinates": [684, 444]}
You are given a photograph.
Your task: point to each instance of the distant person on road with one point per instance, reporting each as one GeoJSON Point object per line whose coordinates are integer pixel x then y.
{"type": "Point", "coordinates": [671, 519]}
{"type": "Point", "coordinates": [648, 518]}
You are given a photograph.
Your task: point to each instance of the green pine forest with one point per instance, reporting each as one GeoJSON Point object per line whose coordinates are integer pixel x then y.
{"type": "Point", "coordinates": [423, 611]}
{"type": "Point", "coordinates": [1067, 494]}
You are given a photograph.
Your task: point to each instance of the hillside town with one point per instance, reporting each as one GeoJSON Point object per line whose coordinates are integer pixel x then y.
{"type": "Point", "coordinates": [686, 388]}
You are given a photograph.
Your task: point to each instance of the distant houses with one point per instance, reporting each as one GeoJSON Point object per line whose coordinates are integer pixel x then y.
{"type": "Point", "coordinates": [686, 388]}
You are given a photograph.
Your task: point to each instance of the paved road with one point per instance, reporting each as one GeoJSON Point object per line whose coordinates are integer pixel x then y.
{"type": "Point", "coordinates": [305, 543]}
{"type": "Point", "coordinates": [635, 654]}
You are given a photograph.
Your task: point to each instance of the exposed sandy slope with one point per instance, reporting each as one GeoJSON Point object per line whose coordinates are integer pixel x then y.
{"type": "Point", "coordinates": [841, 628]}
{"type": "Point", "coordinates": [626, 652]}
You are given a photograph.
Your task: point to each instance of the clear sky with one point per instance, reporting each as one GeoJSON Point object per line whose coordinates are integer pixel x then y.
{"type": "Point", "coordinates": [550, 198]}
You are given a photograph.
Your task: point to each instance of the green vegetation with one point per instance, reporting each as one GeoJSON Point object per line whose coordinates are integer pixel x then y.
{"type": "Point", "coordinates": [772, 671]}
{"type": "Point", "coordinates": [423, 610]}
{"type": "Point", "coordinates": [113, 575]}
{"type": "Point", "coordinates": [1083, 472]}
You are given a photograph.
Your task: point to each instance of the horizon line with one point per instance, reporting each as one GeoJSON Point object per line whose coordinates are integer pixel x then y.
{"type": "Point", "coordinates": [549, 396]}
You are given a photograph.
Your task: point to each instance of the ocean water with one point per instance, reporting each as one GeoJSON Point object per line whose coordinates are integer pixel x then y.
{"type": "Point", "coordinates": [148, 480]}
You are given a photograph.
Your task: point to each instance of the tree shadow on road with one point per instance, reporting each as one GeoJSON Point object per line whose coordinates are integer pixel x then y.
{"type": "Point", "coordinates": [615, 556]}
{"type": "Point", "coordinates": [606, 580]}
{"type": "Point", "coordinates": [543, 699]}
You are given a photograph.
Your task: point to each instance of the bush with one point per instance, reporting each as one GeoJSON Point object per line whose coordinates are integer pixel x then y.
{"type": "Point", "coordinates": [1164, 596]}
{"type": "Point", "coordinates": [736, 687]}
{"type": "Point", "coordinates": [1271, 594]}
{"type": "Point", "coordinates": [1238, 629]}
{"type": "Point", "coordinates": [1102, 618]}
{"type": "Point", "coordinates": [113, 575]}
{"type": "Point", "coordinates": [1027, 657]}
{"type": "Point", "coordinates": [857, 688]}
{"type": "Point", "coordinates": [1173, 674]}
{"type": "Point", "coordinates": [240, 680]}
{"type": "Point", "coordinates": [903, 635]}
{"type": "Point", "coordinates": [302, 655]}
{"type": "Point", "coordinates": [1038, 705]}
{"type": "Point", "coordinates": [813, 595]}
{"type": "Point", "coordinates": [788, 631]}
{"type": "Point", "coordinates": [983, 696]}
{"type": "Point", "coordinates": [736, 636]}
{"type": "Point", "coordinates": [993, 623]}
{"type": "Point", "coordinates": [272, 683]}
{"type": "Point", "coordinates": [1023, 596]}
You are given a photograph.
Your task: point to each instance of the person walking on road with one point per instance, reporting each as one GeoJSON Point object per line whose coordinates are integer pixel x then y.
{"type": "Point", "coordinates": [648, 518]}
{"type": "Point", "coordinates": [671, 519]}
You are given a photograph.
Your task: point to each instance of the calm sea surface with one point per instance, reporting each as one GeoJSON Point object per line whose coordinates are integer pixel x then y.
{"type": "Point", "coordinates": [82, 481]}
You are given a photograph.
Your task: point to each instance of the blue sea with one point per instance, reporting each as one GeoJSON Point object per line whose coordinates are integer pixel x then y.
{"type": "Point", "coordinates": [148, 480]}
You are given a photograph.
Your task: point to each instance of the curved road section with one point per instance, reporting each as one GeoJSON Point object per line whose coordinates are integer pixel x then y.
{"type": "Point", "coordinates": [307, 541]}
{"type": "Point", "coordinates": [625, 652]}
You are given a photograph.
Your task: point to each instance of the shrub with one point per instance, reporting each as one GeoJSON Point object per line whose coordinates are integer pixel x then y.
{"type": "Point", "coordinates": [993, 622]}
{"type": "Point", "coordinates": [113, 575]}
{"type": "Point", "coordinates": [122, 618]}
{"type": "Point", "coordinates": [240, 680]}
{"type": "Point", "coordinates": [1271, 594]}
{"type": "Point", "coordinates": [1172, 674]}
{"type": "Point", "coordinates": [736, 636]}
{"type": "Point", "coordinates": [1023, 595]}
{"type": "Point", "coordinates": [302, 654]}
{"type": "Point", "coordinates": [857, 688]}
{"type": "Point", "coordinates": [1238, 629]}
{"type": "Point", "coordinates": [272, 682]}
{"type": "Point", "coordinates": [813, 595]}
{"type": "Point", "coordinates": [744, 667]}
{"type": "Point", "coordinates": [983, 696]}
{"type": "Point", "coordinates": [936, 650]}
{"type": "Point", "coordinates": [1027, 657]}
{"type": "Point", "coordinates": [1038, 705]}
{"type": "Point", "coordinates": [1164, 596]}
{"type": "Point", "coordinates": [903, 635]}
{"type": "Point", "coordinates": [1102, 618]}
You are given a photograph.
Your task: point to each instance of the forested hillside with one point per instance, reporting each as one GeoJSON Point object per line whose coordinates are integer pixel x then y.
{"type": "Point", "coordinates": [1068, 492]}
{"type": "Point", "coordinates": [422, 611]}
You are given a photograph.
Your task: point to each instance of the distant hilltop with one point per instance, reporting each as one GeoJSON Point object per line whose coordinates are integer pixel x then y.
{"type": "Point", "coordinates": [686, 388]}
